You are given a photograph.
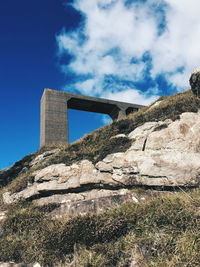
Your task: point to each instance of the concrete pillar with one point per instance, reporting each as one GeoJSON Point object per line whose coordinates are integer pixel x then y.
{"type": "Point", "coordinates": [121, 113]}
{"type": "Point", "coordinates": [114, 113]}
{"type": "Point", "coordinates": [53, 118]}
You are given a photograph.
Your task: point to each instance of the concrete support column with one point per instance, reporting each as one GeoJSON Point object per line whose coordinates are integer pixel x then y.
{"type": "Point", "coordinates": [121, 114]}
{"type": "Point", "coordinates": [122, 111]}
{"type": "Point", "coordinates": [53, 118]}
{"type": "Point", "coordinates": [114, 113]}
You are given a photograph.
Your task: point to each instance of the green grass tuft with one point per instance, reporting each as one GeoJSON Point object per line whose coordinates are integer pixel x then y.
{"type": "Point", "coordinates": [161, 232]}
{"type": "Point", "coordinates": [160, 127]}
{"type": "Point", "coordinates": [99, 144]}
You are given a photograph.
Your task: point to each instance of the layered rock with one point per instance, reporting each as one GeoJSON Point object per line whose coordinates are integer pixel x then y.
{"type": "Point", "coordinates": [162, 154]}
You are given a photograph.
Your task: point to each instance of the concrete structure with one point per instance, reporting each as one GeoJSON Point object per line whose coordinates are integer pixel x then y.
{"type": "Point", "coordinates": [53, 112]}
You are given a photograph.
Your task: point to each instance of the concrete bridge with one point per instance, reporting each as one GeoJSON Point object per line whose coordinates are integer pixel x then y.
{"type": "Point", "coordinates": [54, 118]}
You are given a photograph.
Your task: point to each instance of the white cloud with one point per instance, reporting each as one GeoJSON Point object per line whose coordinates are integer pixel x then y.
{"type": "Point", "coordinates": [178, 46]}
{"type": "Point", "coordinates": [89, 86]}
{"type": "Point", "coordinates": [131, 96]}
{"type": "Point", "coordinates": [105, 119]}
{"type": "Point", "coordinates": [115, 33]}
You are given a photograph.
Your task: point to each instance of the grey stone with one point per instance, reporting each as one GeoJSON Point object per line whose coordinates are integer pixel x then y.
{"type": "Point", "coordinates": [2, 215]}
{"type": "Point", "coordinates": [155, 105]}
{"type": "Point", "coordinates": [118, 136]}
{"type": "Point", "coordinates": [169, 157]}
{"type": "Point", "coordinates": [43, 156]}
{"type": "Point", "coordinates": [96, 201]}
{"type": "Point", "coordinates": [195, 82]}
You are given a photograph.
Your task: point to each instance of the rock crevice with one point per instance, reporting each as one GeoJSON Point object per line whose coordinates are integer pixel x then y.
{"type": "Point", "coordinates": [169, 158]}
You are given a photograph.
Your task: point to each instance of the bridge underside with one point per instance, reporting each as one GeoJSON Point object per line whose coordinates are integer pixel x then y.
{"type": "Point", "coordinates": [54, 118]}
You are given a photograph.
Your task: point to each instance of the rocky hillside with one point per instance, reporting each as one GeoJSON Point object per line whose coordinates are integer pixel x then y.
{"type": "Point", "coordinates": [124, 195]}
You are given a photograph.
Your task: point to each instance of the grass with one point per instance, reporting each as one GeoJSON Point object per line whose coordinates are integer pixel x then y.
{"type": "Point", "coordinates": [99, 144]}
{"type": "Point", "coordinates": [161, 232]}
{"type": "Point", "coordinates": [11, 173]}
{"type": "Point", "coordinates": [160, 127]}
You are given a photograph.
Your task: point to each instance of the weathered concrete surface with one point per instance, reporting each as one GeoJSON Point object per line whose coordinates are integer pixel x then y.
{"type": "Point", "coordinates": [54, 119]}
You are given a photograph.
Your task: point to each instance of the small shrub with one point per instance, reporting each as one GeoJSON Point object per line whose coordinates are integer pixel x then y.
{"type": "Point", "coordinates": [165, 229]}
{"type": "Point", "coordinates": [21, 166]}
{"type": "Point", "coordinates": [160, 127]}
{"type": "Point", "coordinates": [115, 145]}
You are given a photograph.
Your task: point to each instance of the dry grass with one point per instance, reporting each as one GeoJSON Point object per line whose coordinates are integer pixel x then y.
{"type": "Point", "coordinates": [99, 144]}
{"type": "Point", "coordinates": [21, 166]}
{"type": "Point", "coordinates": [161, 232]}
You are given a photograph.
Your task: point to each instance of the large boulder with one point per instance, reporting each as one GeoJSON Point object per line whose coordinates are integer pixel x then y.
{"type": "Point", "coordinates": [163, 154]}
{"type": "Point", "coordinates": [195, 82]}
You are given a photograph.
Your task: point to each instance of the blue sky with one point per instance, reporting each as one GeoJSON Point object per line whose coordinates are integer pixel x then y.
{"type": "Point", "coordinates": [133, 51]}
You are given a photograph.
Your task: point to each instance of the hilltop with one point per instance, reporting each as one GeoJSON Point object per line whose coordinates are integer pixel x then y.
{"type": "Point", "coordinates": [125, 195]}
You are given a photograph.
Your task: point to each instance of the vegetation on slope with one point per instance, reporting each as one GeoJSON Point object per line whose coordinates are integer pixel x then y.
{"type": "Point", "coordinates": [8, 175]}
{"type": "Point", "coordinates": [161, 232]}
{"type": "Point", "coordinates": [99, 144]}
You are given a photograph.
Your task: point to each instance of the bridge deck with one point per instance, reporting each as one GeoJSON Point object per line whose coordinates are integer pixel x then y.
{"type": "Point", "coordinates": [54, 119]}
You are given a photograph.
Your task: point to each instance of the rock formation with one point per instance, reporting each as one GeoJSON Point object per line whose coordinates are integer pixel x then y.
{"type": "Point", "coordinates": [160, 156]}
{"type": "Point", "coordinates": [146, 156]}
{"type": "Point", "coordinates": [195, 82]}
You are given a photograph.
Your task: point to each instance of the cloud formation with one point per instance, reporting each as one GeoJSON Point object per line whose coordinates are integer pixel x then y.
{"type": "Point", "coordinates": [130, 50]}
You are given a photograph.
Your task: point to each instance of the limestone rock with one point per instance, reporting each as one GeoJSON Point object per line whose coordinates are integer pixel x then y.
{"type": "Point", "coordinates": [55, 172]}
{"type": "Point", "coordinates": [118, 136]}
{"type": "Point", "coordinates": [2, 215]}
{"type": "Point", "coordinates": [95, 201]}
{"type": "Point", "coordinates": [43, 156]}
{"type": "Point", "coordinates": [61, 178]}
{"type": "Point", "coordinates": [12, 264]}
{"type": "Point", "coordinates": [195, 82]}
{"type": "Point", "coordinates": [155, 105]}
{"type": "Point", "coordinates": [169, 157]}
